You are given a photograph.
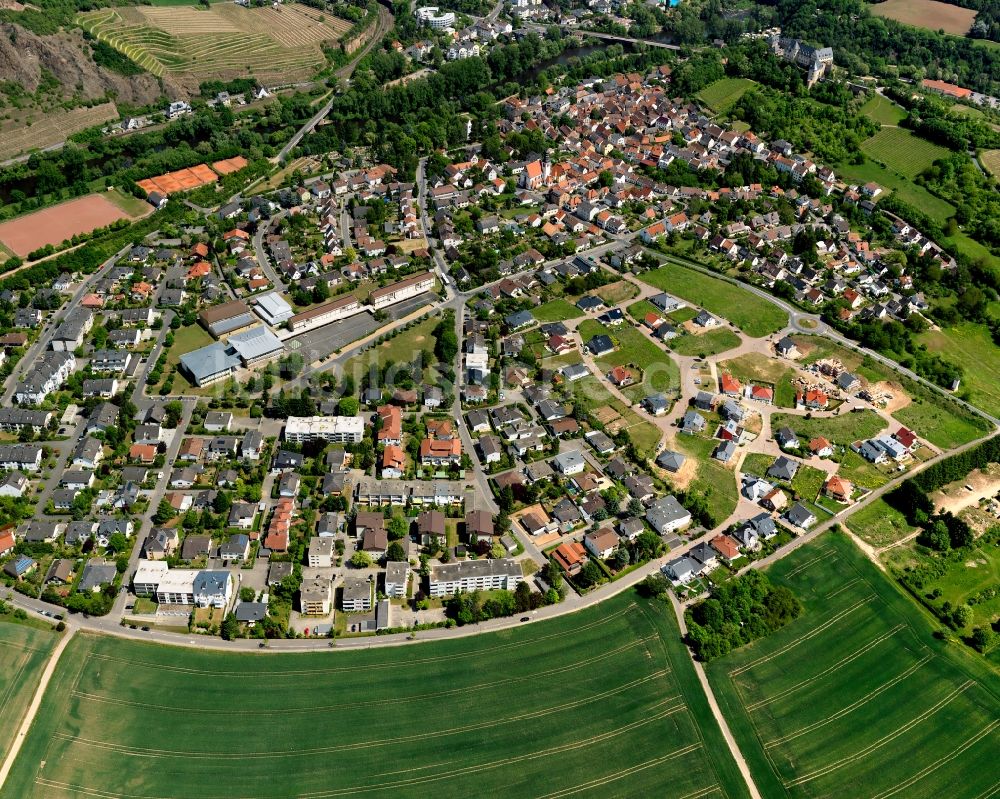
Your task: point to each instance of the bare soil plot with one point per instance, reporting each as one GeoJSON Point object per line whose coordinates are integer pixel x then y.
{"type": "Point", "coordinates": [60, 222]}
{"type": "Point", "coordinates": [955, 497]}
{"type": "Point", "coordinates": [929, 14]}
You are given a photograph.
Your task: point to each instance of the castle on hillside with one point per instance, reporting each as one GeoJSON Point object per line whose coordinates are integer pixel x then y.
{"type": "Point", "coordinates": [816, 61]}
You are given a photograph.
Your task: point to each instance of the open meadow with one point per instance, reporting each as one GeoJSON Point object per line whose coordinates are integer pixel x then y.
{"type": "Point", "coordinates": [856, 698]}
{"type": "Point", "coordinates": [929, 14]}
{"type": "Point", "coordinates": [24, 651]}
{"type": "Point", "coordinates": [990, 159]}
{"type": "Point", "coordinates": [597, 703]}
{"type": "Point", "coordinates": [659, 371]}
{"type": "Point", "coordinates": [224, 41]}
{"type": "Point", "coordinates": [970, 346]}
{"type": "Point", "coordinates": [754, 315]}
{"type": "Point", "coordinates": [883, 110]}
{"type": "Point", "coordinates": [903, 188]}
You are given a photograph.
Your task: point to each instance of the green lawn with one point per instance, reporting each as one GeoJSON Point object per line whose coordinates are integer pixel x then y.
{"type": "Point", "coordinates": [932, 414]}
{"type": "Point", "coordinates": [659, 372]}
{"type": "Point", "coordinates": [879, 524]}
{"type": "Point", "coordinates": [883, 110]}
{"type": "Point", "coordinates": [706, 344]}
{"type": "Point", "coordinates": [617, 292]}
{"type": "Point", "coordinates": [24, 650]}
{"type": "Point", "coordinates": [187, 339]}
{"type": "Point", "coordinates": [603, 702]}
{"type": "Point", "coordinates": [752, 314]}
{"type": "Point", "coordinates": [842, 429]}
{"type": "Point", "coordinates": [724, 93]}
{"type": "Point", "coordinates": [902, 151]}
{"type": "Point", "coordinates": [808, 482]}
{"type": "Point", "coordinates": [132, 206]}
{"type": "Point", "coordinates": [407, 347]}
{"type": "Point", "coordinates": [905, 189]}
{"type": "Point", "coordinates": [715, 481]}
{"type": "Point", "coordinates": [970, 346]}
{"type": "Point", "coordinates": [591, 394]}
{"type": "Point", "coordinates": [856, 698]}
{"type": "Point", "coordinates": [974, 250]}
{"type": "Point", "coordinates": [558, 310]}
{"type": "Point", "coordinates": [860, 472]}
{"type": "Point", "coordinates": [638, 310]}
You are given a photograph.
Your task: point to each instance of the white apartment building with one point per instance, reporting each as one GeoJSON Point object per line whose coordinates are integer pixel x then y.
{"type": "Point", "coordinates": [483, 575]}
{"type": "Point", "coordinates": [335, 429]}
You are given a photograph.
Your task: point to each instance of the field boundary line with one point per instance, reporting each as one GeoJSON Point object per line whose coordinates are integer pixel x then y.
{"type": "Point", "coordinates": [830, 669]}
{"type": "Point", "coordinates": [204, 755]}
{"type": "Point", "coordinates": [600, 781]}
{"type": "Point", "coordinates": [344, 669]}
{"type": "Point", "coordinates": [902, 730]}
{"type": "Point", "coordinates": [36, 701]}
{"type": "Point", "coordinates": [416, 697]}
{"type": "Point", "coordinates": [811, 634]}
{"type": "Point", "coordinates": [853, 706]}
{"type": "Point", "coordinates": [967, 744]}
{"type": "Point", "coordinates": [989, 792]}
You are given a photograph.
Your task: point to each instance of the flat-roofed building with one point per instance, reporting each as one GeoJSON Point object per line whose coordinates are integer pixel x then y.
{"type": "Point", "coordinates": [475, 575]}
{"type": "Point", "coordinates": [315, 596]}
{"type": "Point", "coordinates": [397, 575]}
{"type": "Point", "coordinates": [272, 308]}
{"type": "Point", "coordinates": [357, 595]}
{"type": "Point", "coordinates": [147, 577]}
{"type": "Point", "coordinates": [340, 308]}
{"type": "Point", "coordinates": [176, 587]}
{"type": "Point", "coordinates": [210, 364]}
{"type": "Point", "coordinates": [230, 317]}
{"type": "Point", "coordinates": [321, 552]}
{"type": "Point", "coordinates": [402, 290]}
{"type": "Point", "coordinates": [335, 429]}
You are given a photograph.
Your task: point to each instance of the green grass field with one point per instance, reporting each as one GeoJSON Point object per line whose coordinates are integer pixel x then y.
{"type": "Point", "coordinates": [404, 348]}
{"type": "Point", "coordinates": [905, 189]}
{"type": "Point", "coordinates": [659, 372]}
{"type": "Point", "coordinates": [617, 292]}
{"type": "Point", "coordinates": [725, 93]}
{"type": "Point", "coordinates": [902, 151]}
{"type": "Point", "coordinates": [879, 524]}
{"type": "Point", "coordinates": [755, 367]}
{"type": "Point", "coordinates": [714, 480]}
{"type": "Point", "coordinates": [754, 315]}
{"type": "Point", "coordinates": [558, 310]}
{"type": "Point", "coordinates": [706, 344]}
{"type": "Point", "coordinates": [856, 698]}
{"type": "Point", "coordinates": [842, 429]}
{"type": "Point", "coordinates": [590, 704]}
{"type": "Point", "coordinates": [883, 110]}
{"type": "Point", "coordinates": [187, 339]}
{"type": "Point", "coordinates": [592, 394]}
{"type": "Point", "coordinates": [970, 346]}
{"type": "Point", "coordinates": [24, 651]}
{"type": "Point", "coordinates": [933, 415]}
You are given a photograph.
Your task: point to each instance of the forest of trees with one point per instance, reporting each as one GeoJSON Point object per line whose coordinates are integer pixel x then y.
{"type": "Point", "coordinates": [738, 612]}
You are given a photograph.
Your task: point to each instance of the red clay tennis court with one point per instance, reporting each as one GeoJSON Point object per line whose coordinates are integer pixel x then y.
{"type": "Point", "coordinates": [192, 178]}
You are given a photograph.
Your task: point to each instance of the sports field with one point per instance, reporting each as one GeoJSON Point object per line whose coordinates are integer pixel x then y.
{"type": "Point", "coordinates": [900, 150]}
{"type": "Point", "coordinates": [929, 14]}
{"type": "Point", "coordinates": [754, 315]}
{"type": "Point", "coordinates": [24, 651]}
{"type": "Point", "coordinates": [56, 224]}
{"type": "Point", "coordinates": [591, 704]}
{"type": "Point", "coordinates": [725, 93]}
{"type": "Point", "coordinates": [280, 43]}
{"type": "Point", "coordinates": [856, 698]}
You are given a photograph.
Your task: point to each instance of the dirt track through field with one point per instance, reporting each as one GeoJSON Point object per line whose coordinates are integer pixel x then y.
{"type": "Point", "coordinates": [36, 702]}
